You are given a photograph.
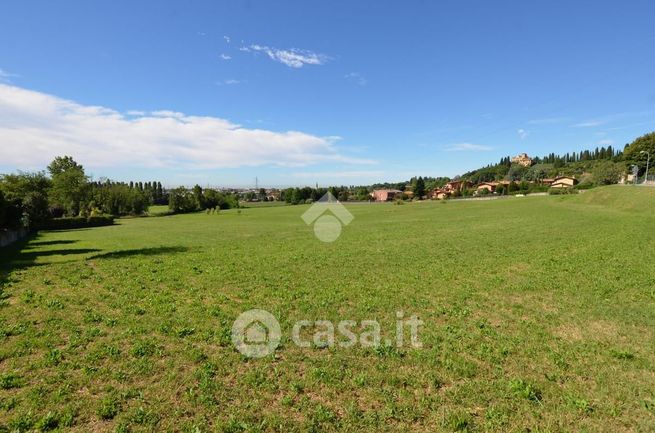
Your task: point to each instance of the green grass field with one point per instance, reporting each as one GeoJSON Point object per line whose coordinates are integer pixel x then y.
{"type": "Point", "coordinates": [539, 315]}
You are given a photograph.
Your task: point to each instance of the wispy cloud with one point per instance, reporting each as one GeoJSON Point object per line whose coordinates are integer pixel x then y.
{"type": "Point", "coordinates": [35, 127]}
{"type": "Point", "coordinates": [357, 78]}
{"type": "Point", "coordinates": [523, 134]}
{"type": "Point", "coordinates": [615, 118]}
{"type": "Point", "coordinates": [632, 125]}
{"type": "Point", "coordinates": [5, 77]}
{"type": "Point", "coordinates": [606, 142]}
{"type": "Point", "coordinates": [588, 124]}
{"type": "Point", "coordinates": [292, 57]}
{"type": "Point", "coordinates": [338, 174]}
{"type": "Point", "coordinates": [466, 147]}
{"type": "Point", "coordinates": [548, 120]}
{"type": "Point", "coordinates": [230, 82]}
{"type": "Point", "coordinates": [226, 57]}
{"type": "Point", "coordinates": [227, 39]}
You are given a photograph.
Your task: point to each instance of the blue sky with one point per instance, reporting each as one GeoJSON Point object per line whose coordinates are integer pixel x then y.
{"type": "Point", "coordinates": [334, 92]}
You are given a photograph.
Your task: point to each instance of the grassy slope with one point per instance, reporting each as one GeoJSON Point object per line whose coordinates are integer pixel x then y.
{"type": "Point", "coordinates": [538, 314]}
{"type": "Point", "coordinates": [621, 198]}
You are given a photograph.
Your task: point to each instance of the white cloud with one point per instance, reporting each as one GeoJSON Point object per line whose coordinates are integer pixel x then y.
{"type": "Point", "coordinates": [227, 39]}
{"type": "Point", "coordinates": [292, 57]}
{"type": "Point", "coordinates": [606, 142]}
{"type": "Point", "coordinates": [465, 147]}
{"type": "Point", "coordinates": [357, 78]}
{"type": "Point", "coordinates": [523, 134]}
{"type": "Point", "coordinates": [226, 57]}
{"type": "Point", "coordinates": [35, 127]}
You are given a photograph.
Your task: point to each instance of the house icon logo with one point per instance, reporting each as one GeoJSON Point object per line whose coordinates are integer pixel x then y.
{"type": "Point", "coordinates": [256, 333]}
{"type": "Point", "coordinates": [327, 226]}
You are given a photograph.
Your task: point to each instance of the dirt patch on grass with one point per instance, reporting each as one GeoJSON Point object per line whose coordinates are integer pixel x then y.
{"type": "Point", "coordinates": [602, 330]}
{"type": "Point", "coordinates": [595, 330]}
{"type": "Point", "coordinates": [568, 332]}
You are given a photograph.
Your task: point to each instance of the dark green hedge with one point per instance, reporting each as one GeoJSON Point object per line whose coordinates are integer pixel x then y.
{"type": "Point", "coordinates": [77, 222]}
{"type": "Point", "coordinates": [562, 191]}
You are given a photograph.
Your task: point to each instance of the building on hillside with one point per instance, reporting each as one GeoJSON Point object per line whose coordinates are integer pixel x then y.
{"type": "Point", "coordinates": [408, 193]}
{"type": "Point", "coordinates": [489, 186]}
{"type": "Point", "coordinates": [522, 159]}
{"type": "Point", "coordinates": [564, 182]}
{"type": "Point", "coordinates": [547, 181]}
{"type": "Point", "coordinates": [386, 194]}
{"type": "Point", "coordinates": [438, 194]}
{"type": "Point", "coordinates": [457, 185]}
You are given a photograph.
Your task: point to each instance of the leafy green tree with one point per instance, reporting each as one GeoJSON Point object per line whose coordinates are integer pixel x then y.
{"type": "Point", "coordinates": [343, 195]}
{"type": "Point", "coordinates": [10, 213]}
{"type": "Point", "coordinates": [198, 197]}
{"type": "Point", "coordinates": [537, 172]}
{"type": "Point", "coordinates": [27, 194]}
{"type": "Point", "coordinates": [606, 173]}
{"type": "Point", "coordinates": [632, 153]}
{"type": "Point", "coordinates": [35, 208]}
{"type": "Point", "coordinates": [62, 164]}
{"type": "Point", "coordinates": [182, 200]}
{"type": "Point", "coordinates": [4, 209]}
{"type": "Point", "coordinates": [69, 185]}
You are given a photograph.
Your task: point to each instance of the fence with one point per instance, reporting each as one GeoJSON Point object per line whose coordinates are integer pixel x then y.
{"type": "Point", "coordinates": [10, 236]}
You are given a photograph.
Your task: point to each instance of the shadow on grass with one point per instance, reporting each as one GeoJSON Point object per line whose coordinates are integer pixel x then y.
{"type": "Point", "coordinates": [139, 252]}
{"type": "Point", "coordinates": [21, 255]}
{"type": "Point", "coordinates": [43, 243]}
{"type": "Point", "coordinates": [31, 255]}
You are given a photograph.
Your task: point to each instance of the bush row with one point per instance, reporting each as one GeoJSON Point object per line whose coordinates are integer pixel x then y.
{"type": "Point", "coordinates": [77, 222]}
{"type": "Point", "coordinates": [562, 191]}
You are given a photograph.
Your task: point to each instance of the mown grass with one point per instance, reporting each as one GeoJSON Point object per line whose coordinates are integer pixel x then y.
{"type": "Point", "coordinates": [539, 316]}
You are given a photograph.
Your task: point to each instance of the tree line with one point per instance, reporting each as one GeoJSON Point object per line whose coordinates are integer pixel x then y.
{"type": "Point", "coordinates": [64, 190]}
{"type": "Point", "coordinates": [183, 200]}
